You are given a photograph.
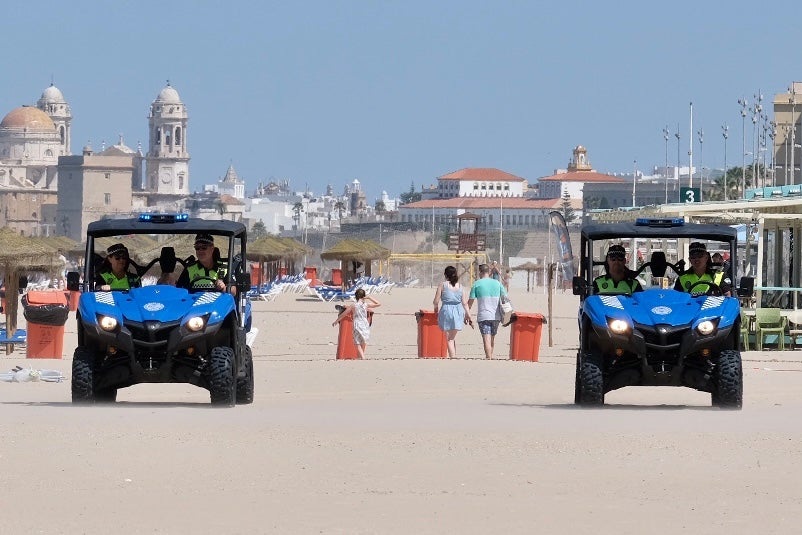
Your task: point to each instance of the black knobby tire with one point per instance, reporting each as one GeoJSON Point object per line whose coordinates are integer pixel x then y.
{"type": "Point", "coordinates": [577, 385]}
{"type": "Point", "coordinates": [245, 384]}
{"type": "Point", "coordinates": [591, 379]}
{"type": "Point", "coordinates": [83, 376]}
{"type": "Point", "coordinates": [222, 377]}
{"type": "Point", "coordinates": [728, 380]}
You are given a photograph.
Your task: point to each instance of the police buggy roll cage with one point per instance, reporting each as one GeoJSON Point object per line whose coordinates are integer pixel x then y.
{"type": "Point", "coordinates": [648, 228]}
{"type": "Point", "coordinates": [159, 223]}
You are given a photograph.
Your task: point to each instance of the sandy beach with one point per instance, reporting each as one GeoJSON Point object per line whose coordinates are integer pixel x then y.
{"type": "Point", "coordinates": [394, 444]}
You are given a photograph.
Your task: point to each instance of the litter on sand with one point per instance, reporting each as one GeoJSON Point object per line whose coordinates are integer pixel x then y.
{"type": "Point", "coordinates": [24, 375]}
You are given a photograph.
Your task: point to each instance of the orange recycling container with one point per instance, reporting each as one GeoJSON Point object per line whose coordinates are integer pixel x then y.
{"type": "Point", "coordinates": [431, 340]}
{"type": "Point", "coordinates": [45, 341]}
{"type": "Point", "coordinates": [525, 336]}
{"type": "Point", "coordinates": [73, 297]}
{"type": "Point", "coordinates": [336, 277]}
{"type": "Point", "coordinates": [346, 349]}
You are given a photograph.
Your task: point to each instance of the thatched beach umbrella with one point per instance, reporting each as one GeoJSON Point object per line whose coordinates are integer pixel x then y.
{"type": "Point", "coordinates": [350, 250]}
{"type": "Point", "coordinates": [19, 254]}
{"type": "Point", "coordinates": [529, 267]}
{"type": "Point", "coordinates": [276, 250]}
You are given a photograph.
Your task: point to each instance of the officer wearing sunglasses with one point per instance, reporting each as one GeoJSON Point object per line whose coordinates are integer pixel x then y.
{"type": "Point", "coordinates": [617, 278]}
{"type": "Point", "coordinates": [114, 274]}
{"type": "Point", "coordinates": [701, 270]}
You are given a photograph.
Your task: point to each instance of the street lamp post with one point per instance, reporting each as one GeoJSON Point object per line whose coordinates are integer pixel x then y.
{"type": "Point", "coordinates": [701, 134]}
{"type": "Point", "coordinates": [756, 113]}
{"type": "Point", "coordinates": [792, 101]}
{"type": "Point", "coordinates": [678, 181]}
{"type": "Point", "coordinates": [744, 105]}
{"type": "Point", "coordinates": [665, 136]}
{"type": "Point", "coordinates": [785, 166]}
{"type": "Point", "coordinates": [690, 151]}
{"type": "Point", "coordinates": [634, 180]}
{"type": "Point", "coordinates": [725, 132]}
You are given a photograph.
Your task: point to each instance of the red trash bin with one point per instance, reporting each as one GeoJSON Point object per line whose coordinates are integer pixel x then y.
{"type": "Point", "coordinates": [431, 340]}
{"type": "Point", "coordinates": [45, 341]}
{"type": "Point", "coordinates": [525, 336]}
{"type": "Point", "coordinates": [346, 348]}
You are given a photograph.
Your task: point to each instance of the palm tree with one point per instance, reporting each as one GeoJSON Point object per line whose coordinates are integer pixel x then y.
{"type": "Point", "coordinates": [297, 208]}
{"type": "Point", "coordinates": [734, 178]}
{"type": "Point", "coordinates": [380, 207]}
{"type": "Point", "coordinates": [340, 207]}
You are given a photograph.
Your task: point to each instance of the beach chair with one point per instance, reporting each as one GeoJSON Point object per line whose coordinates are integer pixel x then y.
{"type": "Point", "coordinates": [769, 321]}
{"type": "Point", "coordinates": [795, 327]}
{"type": "Point", "coordinates": [745, 332]}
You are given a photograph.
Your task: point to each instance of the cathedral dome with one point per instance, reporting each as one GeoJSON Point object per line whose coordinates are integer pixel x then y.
{"type": "Point", "coordinates": [168, 95]}
{"type": "Point", "coordinates": [52, 95]}
{"type": "Point", "coordinates": [30, 118]}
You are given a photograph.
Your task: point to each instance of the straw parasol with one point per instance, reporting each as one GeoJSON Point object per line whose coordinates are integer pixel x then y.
{"type": "Point", "coordinates": [529, 267]}
{"type": "Point", "coordinates": [277, 250]}
{"type": "Point", "coordinates": [364, 251]}
{"type": "Point", "coordinates": [17, 255]}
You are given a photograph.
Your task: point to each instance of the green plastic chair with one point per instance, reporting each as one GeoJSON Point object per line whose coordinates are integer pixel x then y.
{"type": "Point", "coordinates": [769, 321]}
{"type": "Point", "coordinates": [745, 331]}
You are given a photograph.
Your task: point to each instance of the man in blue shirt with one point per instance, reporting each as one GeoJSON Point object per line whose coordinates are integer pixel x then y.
{"type": "Point", "coordinates": [487, 292]}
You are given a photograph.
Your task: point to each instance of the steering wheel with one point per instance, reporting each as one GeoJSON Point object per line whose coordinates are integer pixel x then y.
{"type": "Point", "coordinates": [712, 288]}
{"type": "Point", "coordinates": [213, 287]}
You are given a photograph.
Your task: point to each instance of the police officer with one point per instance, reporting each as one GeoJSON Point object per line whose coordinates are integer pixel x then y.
{"type": "Point", "coordinates": [207, 272]}
{"type": "Point", "coordinates": [702, 270]}
{"type": "Point", "coordinates": [114, 274]}
{"type": "Point", "coordinates": [617, 279]}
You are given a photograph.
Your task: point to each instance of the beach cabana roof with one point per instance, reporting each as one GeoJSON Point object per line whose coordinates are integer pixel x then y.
{"type": "Point", "coordinates": [350, 249]}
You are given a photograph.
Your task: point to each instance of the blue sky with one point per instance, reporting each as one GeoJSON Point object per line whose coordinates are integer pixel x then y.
{"type": "Point", "coordinates": [391, 93]}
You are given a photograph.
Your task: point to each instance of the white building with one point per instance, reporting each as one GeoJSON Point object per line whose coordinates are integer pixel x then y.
{"type": "Point", "coordinates": [572, 181]}
{"type": "Point", "coordinates": [167, 161]}
{"type": "Point", "coordinates": [480, 182]}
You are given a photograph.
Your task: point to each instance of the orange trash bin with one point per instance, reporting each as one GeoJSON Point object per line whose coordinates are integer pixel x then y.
{"type": "Point", "coordinates": [525, 336]}
{"type": "Point", "coordinates": [336, 277]}
{"type": "Point", "coordinates": [431, 340]}
{"type": "Point", "coordinates": [346, 348]}
{"type": "Point", "coordinates": [46, 314]}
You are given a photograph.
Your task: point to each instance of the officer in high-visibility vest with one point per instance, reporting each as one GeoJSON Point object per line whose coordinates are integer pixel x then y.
{"type": "Point", "coordinates": [114, 274]}
{"type": "Point", "coordinates": [617, 278]}
{"type": "Point", "coordinates": [701, 270]}
{"type": "Point", "coordinates": [207, 272]}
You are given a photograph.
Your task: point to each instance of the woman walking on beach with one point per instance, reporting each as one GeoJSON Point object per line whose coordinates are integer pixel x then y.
{"type": "Point", "coordinates": [451, 307]}
{"type": "Point", "coordinates": [359, 312]}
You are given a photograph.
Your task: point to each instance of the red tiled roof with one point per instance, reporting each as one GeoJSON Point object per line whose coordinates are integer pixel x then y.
{"type": "Point", "coordinates": [492, 203]}
{"type": "Point", "coordinates": [481, 173]}
{"type": "Point", "coordinates": [582, 176]}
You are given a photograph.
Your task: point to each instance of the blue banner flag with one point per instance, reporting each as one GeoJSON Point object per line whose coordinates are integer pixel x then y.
{"type": "Point", "coordinates": [563, 244]}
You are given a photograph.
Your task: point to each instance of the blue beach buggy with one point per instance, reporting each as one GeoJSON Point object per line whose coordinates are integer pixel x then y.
{"type": "Point", "coordinates": [159, 333]}
{"type": "Point", "coordinates": [660, 336]}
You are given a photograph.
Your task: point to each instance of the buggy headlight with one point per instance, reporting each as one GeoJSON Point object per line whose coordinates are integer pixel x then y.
{"type": "Point", "coordinates": [196, 324]}
{"type": "Point", "coordinates": [107, 323]}
{"type": "Point", "coordinates": [618, 326]}
{"type": "Point", "coordinates": [706, 327]}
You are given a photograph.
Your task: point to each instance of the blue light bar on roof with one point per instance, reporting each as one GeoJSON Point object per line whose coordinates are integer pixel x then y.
{"type": "Point", "coordinates": [660, 222]}
{"type": "Point", "coordinates": [163, 218]}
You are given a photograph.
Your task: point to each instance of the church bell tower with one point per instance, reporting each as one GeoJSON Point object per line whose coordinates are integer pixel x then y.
{"type": "Point", "coordinates": [167, 161]}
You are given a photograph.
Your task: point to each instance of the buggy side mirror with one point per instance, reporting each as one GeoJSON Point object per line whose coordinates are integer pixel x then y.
{"type": "Point", "coordinates": [243, 282]}
{"type": "Point", "coordinates": [579, 286]}
{"type": "Point", "coordinates": [73, 281]}
{"type": "Point", "coordinates": [167, 260]}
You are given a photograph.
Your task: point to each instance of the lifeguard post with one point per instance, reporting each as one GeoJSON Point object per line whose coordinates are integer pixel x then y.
{"type": "Point", "coordinates": [468, 240]}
